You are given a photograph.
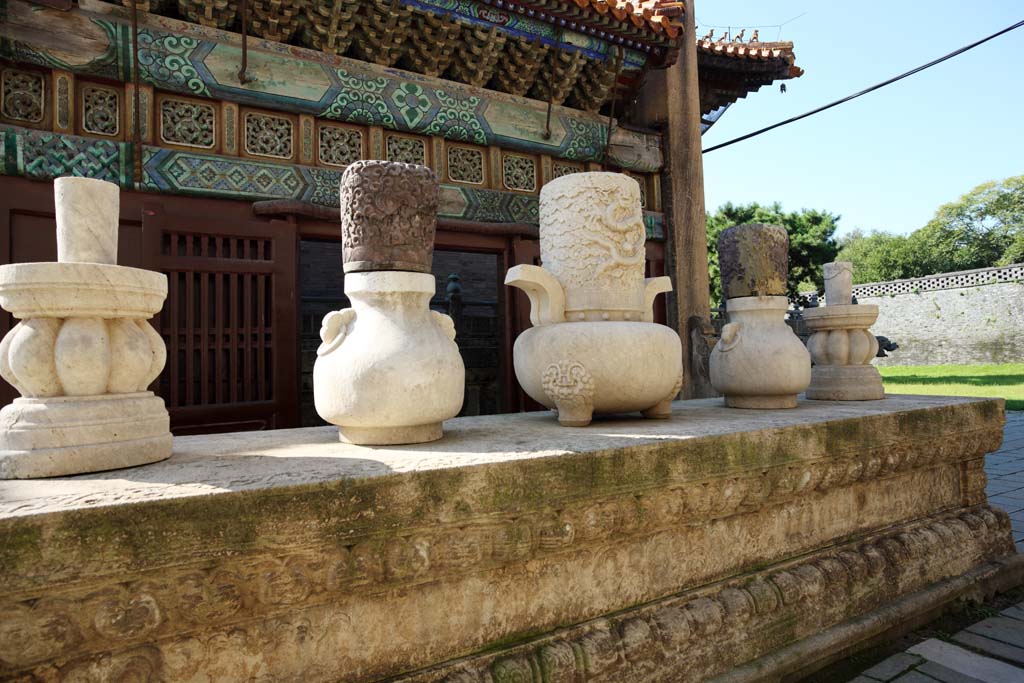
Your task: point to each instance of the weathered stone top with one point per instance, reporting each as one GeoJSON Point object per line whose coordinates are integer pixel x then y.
{"type": "Point", "coordinates": [754, 260]}
{"type": "Point", "coordinates": [702, 439]}
{"type": "Point", "coordinates": [388, 216]}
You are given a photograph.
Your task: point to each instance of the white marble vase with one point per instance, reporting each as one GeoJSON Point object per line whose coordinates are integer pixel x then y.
{"type": "Point", "coordinates": [758, 362]}
{"type": "Point", "coordinates": [84, 352]}
{"type": "Point", "coordinates": [388, 370]}
{"type": "Point", "coordinates": [594, 347]}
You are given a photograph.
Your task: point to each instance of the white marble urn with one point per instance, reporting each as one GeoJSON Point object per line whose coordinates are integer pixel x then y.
{"type": "Point", "coordinates": [594, 347]}
{"type": "Point", "coordinates": [758, 362]}
{"type": "Point", "coordinates": [388, 370]}
{"type": "Point", "coordinates": [841, 344]}
{"type": "Point", "coordinates": [84, 353]}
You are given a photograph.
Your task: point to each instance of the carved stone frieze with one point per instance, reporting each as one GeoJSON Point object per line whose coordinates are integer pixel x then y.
{"type": "Point", "coordinates": [761, 535]}
{"type": "Point", "coordinates": [697, 635]}
{"type": "Point", "coordinates": [179, 639]}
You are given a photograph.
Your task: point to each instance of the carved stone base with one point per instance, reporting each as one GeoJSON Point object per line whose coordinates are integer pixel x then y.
{"type": "Point", "coordinates": [389, 436]}
{"type": "Point", "coordinates": [829, 601]}
{"type": "Point", "coordinates": [761, 402]}
{"type": "Point", "coordinates": [845, 383]}
{"type": "Point", "coordinates": [514, 550]}
{"type": "Point", "coordinates": [53, 437]}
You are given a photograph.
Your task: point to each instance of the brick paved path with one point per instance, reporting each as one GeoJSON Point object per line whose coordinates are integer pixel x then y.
{"type": "Point", "coordinates": [991, 651]}
{"type": "Point", "coordinates": [1005, 470]}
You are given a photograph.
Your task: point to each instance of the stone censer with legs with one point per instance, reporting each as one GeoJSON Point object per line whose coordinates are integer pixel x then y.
{"type": "Point", "coordinates": [594, 347]}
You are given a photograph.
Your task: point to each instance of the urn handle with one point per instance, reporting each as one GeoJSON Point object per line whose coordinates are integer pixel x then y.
{"type": "Point", "coordinates": [334, 329]}
{"type": "Point", "coordinates": [730, 337]}
{"type": "Point", "coordinates": [653, 286]}
{"type": "Point", "coordinates": [445, 322]}
{"type": "Point", "coordinates": [547, 298]}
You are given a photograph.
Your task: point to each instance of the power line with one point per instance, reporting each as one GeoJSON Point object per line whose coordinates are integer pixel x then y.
{"type": "Point", "coordinates": [877, 86]}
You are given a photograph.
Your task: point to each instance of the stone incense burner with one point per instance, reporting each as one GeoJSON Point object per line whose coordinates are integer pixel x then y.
{"type": "Point", "coordinates": [388, 370]}
{"type": "Point", "coordinates": [84, 353]}
{"type": "Point", "coordinates": [758, 362]}
{"type": "Point", "coordinates": [594, 346]}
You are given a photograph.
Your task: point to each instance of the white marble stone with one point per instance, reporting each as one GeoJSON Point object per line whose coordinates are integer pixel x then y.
{"type": "Point", "coordinates": [594, 347]}
{"type": "Point", "coordinates": [838, 283]}
{"type": "Point", "coordinates": [759, 362]}
{"type": "Point", "coordinates": [84, 352]}
{"type": "Point", "coordinates": [842, 348]}
{"type": "Point", "coordinates": [388, 370]}
{"type": "Point", "coordinates": [87, 220]}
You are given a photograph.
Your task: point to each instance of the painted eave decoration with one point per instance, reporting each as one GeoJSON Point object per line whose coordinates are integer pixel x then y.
{"type": "Point", "coordinates": [731, 70]}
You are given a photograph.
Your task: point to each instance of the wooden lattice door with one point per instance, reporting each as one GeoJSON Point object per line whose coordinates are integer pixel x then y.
{"type": "Point", "coordinates": [229, 320]}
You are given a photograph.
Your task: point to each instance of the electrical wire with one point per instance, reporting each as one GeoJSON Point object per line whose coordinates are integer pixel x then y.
{"type": "Point", "coordinates": [877, 86]}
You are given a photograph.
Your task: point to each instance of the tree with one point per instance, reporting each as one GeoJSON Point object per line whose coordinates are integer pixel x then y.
{"type": "Point", "coordinates": [985, 227]}
{"type": "Point", "coordinates": [811, 243]}
{"type": "Point", "coordinates": [876, 256]}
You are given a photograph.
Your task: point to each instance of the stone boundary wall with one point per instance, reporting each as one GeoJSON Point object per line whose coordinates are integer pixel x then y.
{"type": "Point", "coordinates": [957, 280]}
{"type": "Point", "coordinates": [973, 316]}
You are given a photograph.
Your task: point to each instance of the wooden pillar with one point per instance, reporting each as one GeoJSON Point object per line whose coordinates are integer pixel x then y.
{"type": "Point", "coordinates": [685, 182]}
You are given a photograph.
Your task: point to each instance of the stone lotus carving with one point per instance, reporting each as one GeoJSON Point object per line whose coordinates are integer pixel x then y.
{"type": "Point", "coordinates": [758, 362]}
{"type": "Point", "coordinates": [841, 345]}
{"type": "Point", "coordinates": [388, 370]}
{"type": "Point", "coordinates": [84, 352]}
{"type": "Point", "coordinates": [388, 218]}
{"type": "Point", "coordinates": [594, 347]}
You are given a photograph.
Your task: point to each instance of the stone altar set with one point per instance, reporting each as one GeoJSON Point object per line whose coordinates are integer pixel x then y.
{"type": "Point", "coordinates": [722, 545]}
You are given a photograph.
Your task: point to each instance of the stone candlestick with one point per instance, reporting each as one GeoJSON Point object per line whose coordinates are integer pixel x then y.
{"type": "Point", "coordinates": [841, 345]}
{"type": "Point", "coordinates": [758, 362]}
{"type": "Point", "coordinates": [594, 347]}
{"type": "Point", "coordinates": [84, 352]}
{"type": "Point", "coordinates": [388, 370]}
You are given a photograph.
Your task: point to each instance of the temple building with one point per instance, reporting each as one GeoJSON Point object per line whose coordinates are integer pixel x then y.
{"type": "Point", "coordinates": [228, 123]}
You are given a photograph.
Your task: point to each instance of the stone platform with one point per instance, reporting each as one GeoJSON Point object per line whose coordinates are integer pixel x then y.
{"type": "Point", "coordinates": [724, 545]}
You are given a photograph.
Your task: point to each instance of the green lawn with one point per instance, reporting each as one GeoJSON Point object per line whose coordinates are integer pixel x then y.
{"type": "Point", "coordinates": [1001, 381]}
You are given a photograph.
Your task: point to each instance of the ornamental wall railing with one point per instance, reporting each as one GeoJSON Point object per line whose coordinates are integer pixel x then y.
{"type": "Point", "coordinates": [963, 278]}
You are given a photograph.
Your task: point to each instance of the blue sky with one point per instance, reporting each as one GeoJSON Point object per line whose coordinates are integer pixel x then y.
{"type": "Point", "coordinates": [888, 159]}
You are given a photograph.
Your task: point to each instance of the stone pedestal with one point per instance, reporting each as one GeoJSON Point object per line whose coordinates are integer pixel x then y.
{"type": "Point", "coordinates": [716, 546]}
{"type": "Point", "coordinates": [842, 348]}
{"type": "Point", "coordinates": [84, 352]}
{"type": "Point", "coordinates": [841, 343]}
{"type": "Point", "coordinates": [594, 347]}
